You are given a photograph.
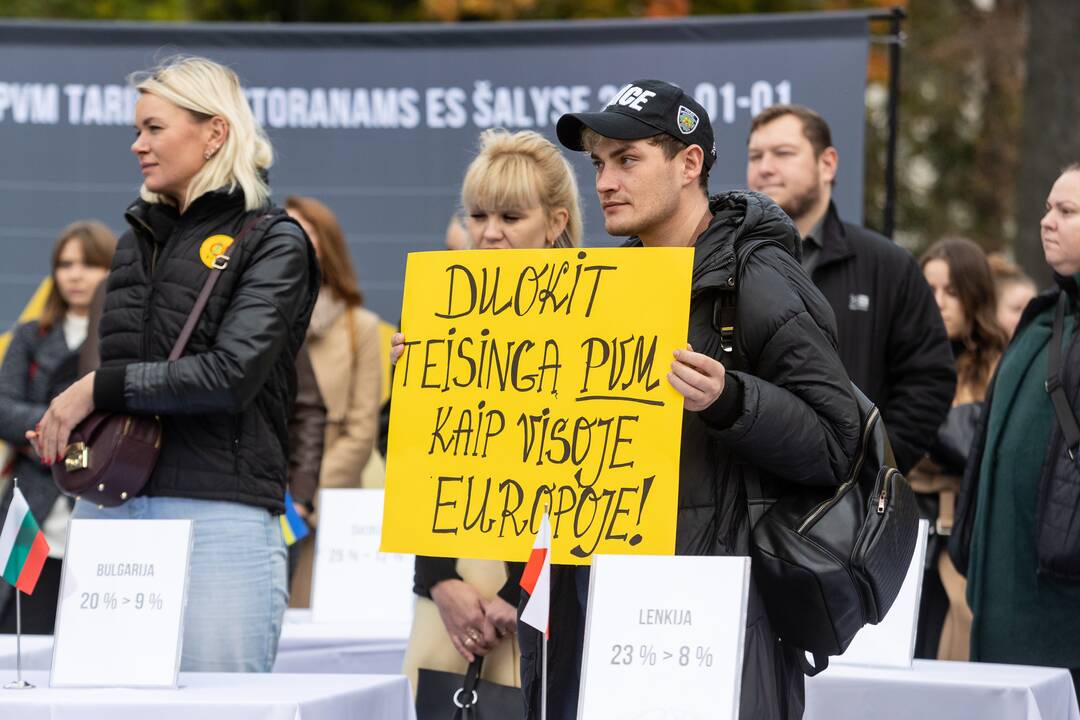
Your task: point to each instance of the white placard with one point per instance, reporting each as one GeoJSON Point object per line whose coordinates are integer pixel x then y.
{"type": "Point", "coordinates": [353, 581]}
{"type": "Point", "coordinates": [120, 618]}
{"type": "Point", "coordinates": [664, 638]}
{"type": "Point", "coordinates": [891, 643]}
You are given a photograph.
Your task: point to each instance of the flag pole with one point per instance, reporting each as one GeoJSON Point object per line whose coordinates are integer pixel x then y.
{"type": "Point", "coordinates": [19, 683]}
{"type": "Point", "coordinates": [544, 646]}
{"type": "Point", "coordinates": [544, 676]}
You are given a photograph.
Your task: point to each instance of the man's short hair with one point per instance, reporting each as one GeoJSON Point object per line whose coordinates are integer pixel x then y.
{"type": "Point", "coordinates": [815, 129]}
{"type": "Point", "coordinates": [671, 146]}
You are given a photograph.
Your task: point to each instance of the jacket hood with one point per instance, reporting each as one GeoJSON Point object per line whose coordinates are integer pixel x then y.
{"type": "Point", "coordinates": [738, 217]}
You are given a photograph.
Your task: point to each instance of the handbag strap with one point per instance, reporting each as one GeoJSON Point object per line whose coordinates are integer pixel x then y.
{"type": "Point", "coordinates": [467, 696]}
{"type": "Point", "coordinates": [1066, 417]}
{"type": "Point", "coordinates": [220, 263]}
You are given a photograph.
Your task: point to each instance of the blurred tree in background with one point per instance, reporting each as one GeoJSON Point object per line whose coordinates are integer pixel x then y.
{"type": "Point", "coordinates": [962, 81]}
{"type": "Point", "coordinates": [1050, 136]}
{"type": "Point", "coordinates": [963, 86]}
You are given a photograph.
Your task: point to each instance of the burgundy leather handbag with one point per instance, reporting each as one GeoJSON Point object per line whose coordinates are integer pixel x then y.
{"type": "Point", "coordinates": [110, 456]}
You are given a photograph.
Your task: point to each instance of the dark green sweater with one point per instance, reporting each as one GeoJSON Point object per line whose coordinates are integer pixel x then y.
{"type": "Point", "coordinates": [1020, 617]}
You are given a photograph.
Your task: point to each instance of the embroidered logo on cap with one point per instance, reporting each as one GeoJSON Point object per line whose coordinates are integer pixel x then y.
{"type": "Point", "coordinates": [687, 120]}
{"type": "Point", "coordinates": [632, 96]}
{"type": "Point", "coordinates": [212, 247]}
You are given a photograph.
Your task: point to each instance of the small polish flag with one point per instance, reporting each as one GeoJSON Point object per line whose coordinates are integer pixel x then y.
{"type": "Point", "coordinates": [536, 580]}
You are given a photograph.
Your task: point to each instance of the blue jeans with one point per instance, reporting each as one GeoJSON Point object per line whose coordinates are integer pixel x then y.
{"type": "Point", "coordinates": [236, 586]}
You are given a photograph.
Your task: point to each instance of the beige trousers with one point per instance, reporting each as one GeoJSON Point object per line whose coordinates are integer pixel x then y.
{"type": "Point", "coordinates": [429, 643]}
{"type": "Point", "coordinates": [955, 643]}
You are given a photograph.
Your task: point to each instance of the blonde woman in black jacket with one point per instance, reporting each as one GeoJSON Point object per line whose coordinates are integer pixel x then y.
{"type": "Point", "coordinates": [224, 405]}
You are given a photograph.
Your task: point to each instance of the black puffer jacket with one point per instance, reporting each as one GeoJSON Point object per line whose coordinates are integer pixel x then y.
{"type": "Point", "coordinates": [1058, 491]}
{"type": "Point", "coordinates": [892, 339]}
{"type": "Point", "coordinates": [225, 404]}
{"type": "Point", "coordinates": [786, 415]}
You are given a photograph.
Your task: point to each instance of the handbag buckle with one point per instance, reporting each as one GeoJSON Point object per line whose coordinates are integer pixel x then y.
{"type": "Point", "coordinates": [220, 262]}
{"type": "Point", "coordinates": [457, 698]}
{"type": "Point", "coordinates": [76, 457]}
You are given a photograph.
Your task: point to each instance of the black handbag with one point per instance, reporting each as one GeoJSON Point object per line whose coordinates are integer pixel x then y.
{"type": "Point", "coordinates": [449, 696]}
{"type": "Point", "coordinates": [955, 438]}
{"type": "Point", "coordinates": [827, 561]}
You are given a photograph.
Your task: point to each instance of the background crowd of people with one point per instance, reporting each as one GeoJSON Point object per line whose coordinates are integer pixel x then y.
{"type": "Point", "coordinates": [956, 349]}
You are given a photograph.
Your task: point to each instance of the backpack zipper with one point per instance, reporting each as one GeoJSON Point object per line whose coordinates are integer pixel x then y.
{"type": "Point", "coordinates": [884, 492]}
{"type": "Point", "coordinates": [818, 511]}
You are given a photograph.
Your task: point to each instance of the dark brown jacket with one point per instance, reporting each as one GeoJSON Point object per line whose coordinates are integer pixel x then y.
{"type": "Point", "coordinates": [307, 428]}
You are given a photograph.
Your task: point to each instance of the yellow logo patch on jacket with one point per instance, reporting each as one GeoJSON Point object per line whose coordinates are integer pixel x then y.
{"type": "Point", "coordinates": [212, 247]}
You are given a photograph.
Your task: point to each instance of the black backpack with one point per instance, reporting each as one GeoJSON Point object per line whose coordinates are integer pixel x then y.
{"type": "Point", "coordinates": [827, 561]}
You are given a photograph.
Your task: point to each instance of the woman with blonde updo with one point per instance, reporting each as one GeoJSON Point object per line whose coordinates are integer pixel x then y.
{"type": "Point", "coordinates": [519, 193]}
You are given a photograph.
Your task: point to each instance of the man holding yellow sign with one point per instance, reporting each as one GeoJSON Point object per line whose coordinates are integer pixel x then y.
{"type": "Point", "coordinates": [765, 395]}
{"type": "Point", "coordinates": [541, 381]}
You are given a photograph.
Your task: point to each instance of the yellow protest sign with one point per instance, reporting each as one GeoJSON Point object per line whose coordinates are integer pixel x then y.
{"type": "Point", "coordinates": [536, 379]}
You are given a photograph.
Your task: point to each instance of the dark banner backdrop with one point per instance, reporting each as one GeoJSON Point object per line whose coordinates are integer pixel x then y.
{"type": "Point", "coordinates": [379, 122]}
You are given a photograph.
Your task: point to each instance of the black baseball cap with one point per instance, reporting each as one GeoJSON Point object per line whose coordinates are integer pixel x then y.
{"type": "Point", "coordinates": [643, 109]}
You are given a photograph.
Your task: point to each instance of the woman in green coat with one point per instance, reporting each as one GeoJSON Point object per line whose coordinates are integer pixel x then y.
{"type": "Point", "coordinates": [1018, 537]}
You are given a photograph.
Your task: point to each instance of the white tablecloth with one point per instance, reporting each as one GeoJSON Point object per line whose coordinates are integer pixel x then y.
{"type": "Point", "coordinates": [220, 696]}
{"type": "Point", "coordinates": [36, 654]}
{"type": "Point", "coordinates": [933, 690]}
{"type": "Point", "coordinates": [307, 647]}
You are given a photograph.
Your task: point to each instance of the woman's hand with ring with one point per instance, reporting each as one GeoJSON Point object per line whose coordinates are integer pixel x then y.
{"type": "Point", "coordinates": [67, 410]}
{"type": "Point", "coordinates": [462, 610]}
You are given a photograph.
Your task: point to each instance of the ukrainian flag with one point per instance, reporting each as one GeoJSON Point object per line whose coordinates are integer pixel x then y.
{"type": "Point", "coordinates": [293, 527]}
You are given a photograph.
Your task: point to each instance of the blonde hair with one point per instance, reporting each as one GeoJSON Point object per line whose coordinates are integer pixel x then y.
{"type": "Point", "coordinates": [208, 89]}
{"type": "Point", "coordinates": [523, 170]}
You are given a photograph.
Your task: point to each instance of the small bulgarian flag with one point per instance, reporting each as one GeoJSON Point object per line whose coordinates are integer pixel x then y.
{"type": "Point", "coordinates": [22, 545]}
{"type": "Point", "coordinates": [536, 580]}
{"type": "Point", "coordinates": [293, 527]}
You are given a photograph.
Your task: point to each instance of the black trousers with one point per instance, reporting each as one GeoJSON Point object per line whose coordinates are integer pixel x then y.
{"type": "Point", "coordinates": [39, 609]}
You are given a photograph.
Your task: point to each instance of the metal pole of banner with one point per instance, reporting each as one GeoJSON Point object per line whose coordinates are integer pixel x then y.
{"type": "Point", "coordinates": [889, 223]}
{"type": "Point", "coordinates": [19, 683]}
{"type": "Point", "coordinates": [895, 40]}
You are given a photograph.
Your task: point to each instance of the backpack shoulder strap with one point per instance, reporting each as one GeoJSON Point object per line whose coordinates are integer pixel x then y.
{"type": "Point", "coordinates": [725, 305]}
{"type": "Point", "coordinates": [1065, 416]}
{"type": "Point", "coordinates": [724, 320]}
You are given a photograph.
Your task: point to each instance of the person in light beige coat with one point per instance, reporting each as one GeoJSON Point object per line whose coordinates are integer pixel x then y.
{"type": "Point", "coordinates": [343, 342]}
